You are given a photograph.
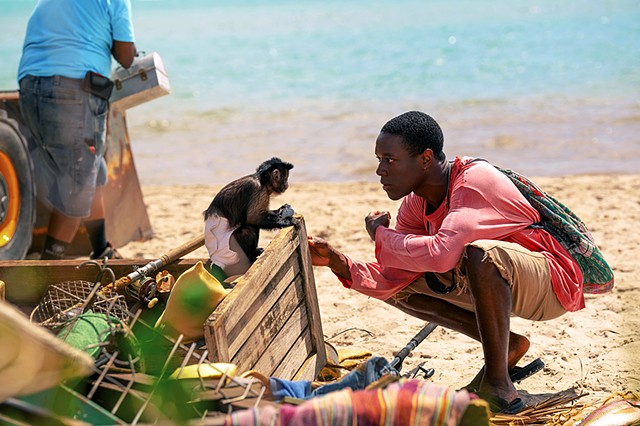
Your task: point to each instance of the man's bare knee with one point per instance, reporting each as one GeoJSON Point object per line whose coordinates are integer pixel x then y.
{"type": "Point", "coordinates": [479, 267]}
{"type": "Point", "coordinates": [473, 258]}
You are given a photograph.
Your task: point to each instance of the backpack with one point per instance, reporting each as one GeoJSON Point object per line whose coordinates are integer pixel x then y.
{"type": "Point", "coordinates": [567, 228]}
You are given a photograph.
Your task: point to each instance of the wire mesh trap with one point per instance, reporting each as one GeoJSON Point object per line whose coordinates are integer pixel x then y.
{"type": "Point", "coordinates": [64, 301]}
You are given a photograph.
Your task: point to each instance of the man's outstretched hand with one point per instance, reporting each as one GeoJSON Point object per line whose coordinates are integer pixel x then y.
{"type": "Point", "coordinates": [324, 254]}
{"type": "Point", "coordinates": [320, 251]}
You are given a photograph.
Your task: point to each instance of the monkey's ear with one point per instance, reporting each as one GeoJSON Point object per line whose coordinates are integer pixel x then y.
{"type": "Point", "coordinates": [275, 175]}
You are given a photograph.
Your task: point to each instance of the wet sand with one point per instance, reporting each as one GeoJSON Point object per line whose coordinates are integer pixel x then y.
{"type": "Point", "coordinates": [334, 141]}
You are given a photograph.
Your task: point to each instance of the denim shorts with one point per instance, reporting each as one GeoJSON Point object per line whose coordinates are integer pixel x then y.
{"type": "Point", "coordinates": [67, 141]}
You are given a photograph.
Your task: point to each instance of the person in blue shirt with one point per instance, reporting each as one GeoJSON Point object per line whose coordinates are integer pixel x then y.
{"type": "Point", "coordinates": [64, 89]}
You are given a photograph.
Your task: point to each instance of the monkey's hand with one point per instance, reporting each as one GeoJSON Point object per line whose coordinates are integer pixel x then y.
{"type": "Point", "coordinates": [285, 211]}
{"type": "Point", "coordinates": [279, 218]}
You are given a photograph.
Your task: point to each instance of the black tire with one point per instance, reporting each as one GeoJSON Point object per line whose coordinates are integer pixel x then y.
{"type": "Point", "coordinates": [17, 192]}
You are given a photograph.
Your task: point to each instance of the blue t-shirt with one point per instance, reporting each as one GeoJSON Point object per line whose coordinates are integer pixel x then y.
{"type": "Point", "coordinates": [71, 37]}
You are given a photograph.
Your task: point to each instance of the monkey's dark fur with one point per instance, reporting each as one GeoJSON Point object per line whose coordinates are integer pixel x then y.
{"type": "Point", "coordinates": [245, 204]}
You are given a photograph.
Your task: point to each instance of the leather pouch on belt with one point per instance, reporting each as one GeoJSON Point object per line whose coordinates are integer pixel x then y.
{"type": "Point", "coordinates": [97, 84]}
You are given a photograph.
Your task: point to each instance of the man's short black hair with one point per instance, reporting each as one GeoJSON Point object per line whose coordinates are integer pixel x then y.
{"type": "Point", "coordinates": [419, 132]}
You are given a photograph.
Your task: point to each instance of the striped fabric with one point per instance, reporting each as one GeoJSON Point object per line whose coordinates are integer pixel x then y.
{"type": "Point", "coordinates": [406, 402]}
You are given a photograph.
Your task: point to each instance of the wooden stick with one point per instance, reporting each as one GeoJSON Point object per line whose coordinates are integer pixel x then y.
{"type": "Point", "coordinates": [165, 259]}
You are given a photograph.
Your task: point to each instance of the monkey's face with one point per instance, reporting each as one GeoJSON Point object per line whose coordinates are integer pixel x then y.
{"type": "Point", "coordinates": [279, 180]}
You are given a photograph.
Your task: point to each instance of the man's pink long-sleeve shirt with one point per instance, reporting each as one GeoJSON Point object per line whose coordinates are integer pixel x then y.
{"type": "Point", "coordinates": [483, 205]}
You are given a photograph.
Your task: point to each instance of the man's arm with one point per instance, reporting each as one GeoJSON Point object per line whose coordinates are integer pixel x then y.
{"type": "Point", "coordinates": [484, 205]}
{"type": "Point", "coordinates": [368, 278]}
{"type": "Point", "coordinates": [124, 52]}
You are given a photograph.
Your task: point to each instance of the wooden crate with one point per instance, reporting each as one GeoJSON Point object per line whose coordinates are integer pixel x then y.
{"type": "Point", "coordinates": [270, 321]}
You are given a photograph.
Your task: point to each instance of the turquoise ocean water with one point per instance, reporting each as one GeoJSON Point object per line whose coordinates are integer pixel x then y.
{"type": "Point", "coordinates": [543, 87]}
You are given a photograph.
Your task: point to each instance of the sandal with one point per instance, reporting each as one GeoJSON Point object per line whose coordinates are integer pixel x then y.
{"type": "Point", "coordinates": [516, 374]}
{"type": "Point", "coordinates": [499, 405]}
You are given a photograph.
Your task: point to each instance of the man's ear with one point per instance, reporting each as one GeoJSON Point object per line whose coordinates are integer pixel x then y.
{"type": "Point", "coordinates": [426, 157]}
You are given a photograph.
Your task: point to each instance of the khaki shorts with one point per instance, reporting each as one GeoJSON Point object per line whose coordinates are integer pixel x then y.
{"type": "Point", "coordinates": [526, 272]}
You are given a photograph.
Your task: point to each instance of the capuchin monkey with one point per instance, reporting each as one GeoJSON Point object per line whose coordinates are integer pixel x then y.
{"type": "Point", "coordinates": [244, 203]}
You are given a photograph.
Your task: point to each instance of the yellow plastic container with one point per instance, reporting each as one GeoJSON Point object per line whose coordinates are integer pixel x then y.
{"type": "Point", "coordinates": [205, 371]}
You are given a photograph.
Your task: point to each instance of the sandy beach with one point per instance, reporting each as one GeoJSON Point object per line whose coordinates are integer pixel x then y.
{"type": "Point", "coordinates": [594, 350]}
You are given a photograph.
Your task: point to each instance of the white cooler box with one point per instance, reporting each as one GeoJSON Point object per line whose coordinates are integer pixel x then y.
{"type": "Point", "coordinates": [145, 80]}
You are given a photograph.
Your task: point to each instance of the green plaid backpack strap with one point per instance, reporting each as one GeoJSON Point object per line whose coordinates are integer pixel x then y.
{"type": "Point", "coordinates": [569, 231]}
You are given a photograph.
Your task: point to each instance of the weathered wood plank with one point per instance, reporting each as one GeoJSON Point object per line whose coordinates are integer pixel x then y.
{"type": "Point", "coordinates": [217, 342]}
{"type": "Point", "coordinates": [261, 336]}
{"type": "Point", "coordinates": [265, 268]}
{"type": "Point", "coordinates": [281, 344]}
{"type": "Point", "coordinates": [311, 299]}
{"type": "Point", "coordinates": [265, 305]}
{"type": "Point", "coordinates": [309, 369]}
{"type": "Point", "coordinates": [298, 353]}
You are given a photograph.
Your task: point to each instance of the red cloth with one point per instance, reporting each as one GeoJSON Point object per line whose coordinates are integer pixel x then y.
{"type": "Point", "coordinates": [483, 205]}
